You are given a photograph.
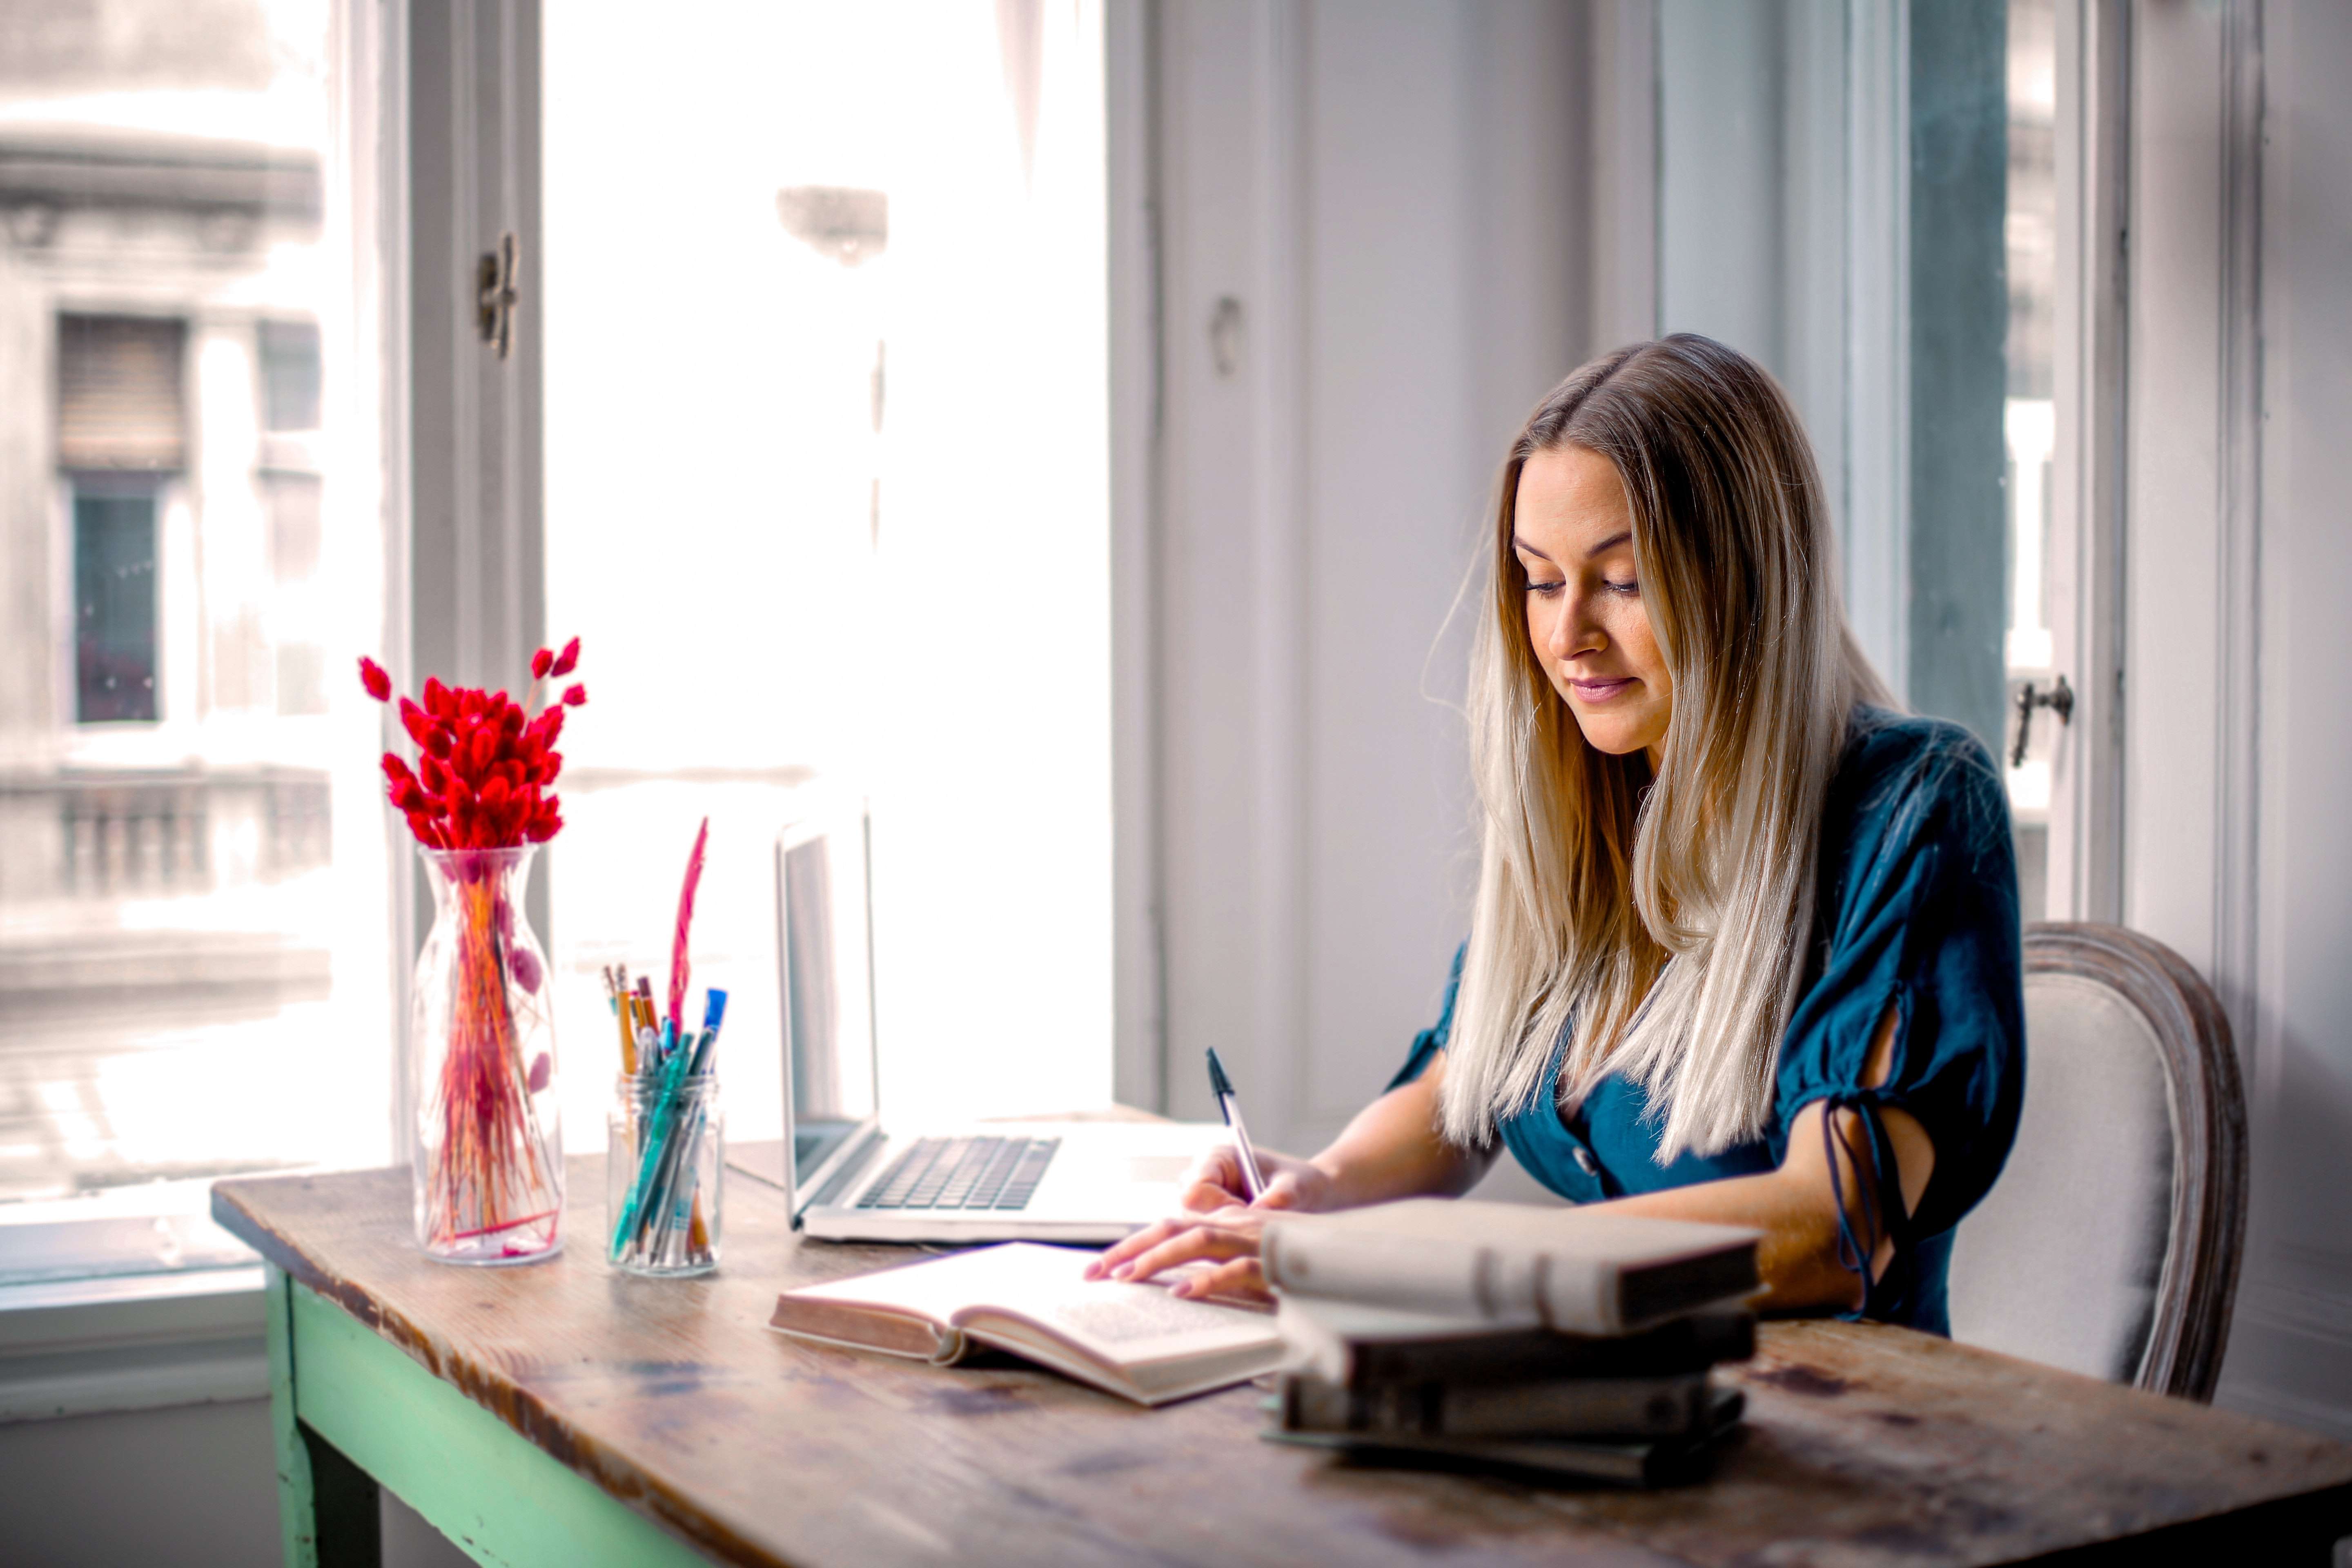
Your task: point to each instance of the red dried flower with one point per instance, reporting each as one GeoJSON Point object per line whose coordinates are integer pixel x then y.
{"type": "Point", "coordinates": [482, 758]}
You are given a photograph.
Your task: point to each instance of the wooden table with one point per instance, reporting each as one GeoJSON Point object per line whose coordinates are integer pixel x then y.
{"type": "Point", "coordinates": [566, 1414]}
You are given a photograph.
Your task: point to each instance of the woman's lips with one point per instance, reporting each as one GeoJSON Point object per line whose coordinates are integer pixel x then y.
{"type": "Point", "coordinates": [1600, 690]}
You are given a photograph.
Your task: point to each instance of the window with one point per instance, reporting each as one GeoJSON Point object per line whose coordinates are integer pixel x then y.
{"type": "Point", "coordinates": [114, 601]}
{"type": "Point", "coordinates": [289, 374]}
{"type": "Point", "coordinates": [787, 570]}
{"type": "Point", "coordinates": [1864, 199]}
{"type": "Point", "coordinates": [193, 899]}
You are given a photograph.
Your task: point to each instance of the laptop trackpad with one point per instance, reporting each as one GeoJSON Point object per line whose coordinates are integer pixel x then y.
{"type": "Point", "coordinates": [1157, 1168]}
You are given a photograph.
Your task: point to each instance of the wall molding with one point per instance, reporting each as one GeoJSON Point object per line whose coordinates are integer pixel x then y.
{"type": "Point", "coordinates": [136, 1342]}
{"type": "Point", "coordinates": [1131, 71]}
{"type": "Point", "coordinates": [2237, 795]}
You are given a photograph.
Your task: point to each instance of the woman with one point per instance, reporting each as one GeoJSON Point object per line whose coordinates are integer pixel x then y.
{"type": "Point", "coordinates": [1745, 947]}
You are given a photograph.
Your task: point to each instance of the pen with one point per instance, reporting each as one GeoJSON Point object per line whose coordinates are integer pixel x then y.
{"type": "Point", "coordinates": [1230, 1104]}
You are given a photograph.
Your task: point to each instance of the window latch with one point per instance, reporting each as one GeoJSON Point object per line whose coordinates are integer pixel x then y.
{"type": "Point", "coordinates": [2059, 699]}
{"type": "Point", "coordinates": [494, 294]}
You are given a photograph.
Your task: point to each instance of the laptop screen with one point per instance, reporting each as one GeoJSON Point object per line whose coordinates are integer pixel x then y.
{"type": "Point", "coordinates": [828, 988]}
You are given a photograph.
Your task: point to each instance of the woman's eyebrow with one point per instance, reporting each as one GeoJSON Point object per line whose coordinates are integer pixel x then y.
{"type": "Point", "coordinates": [1609, 543]}
{"type": "Point", "coordinates": [1524, 548]}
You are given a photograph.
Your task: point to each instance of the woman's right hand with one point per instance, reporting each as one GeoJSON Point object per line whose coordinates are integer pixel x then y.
{"type": "Point", "coordinates": [1214, 1182]}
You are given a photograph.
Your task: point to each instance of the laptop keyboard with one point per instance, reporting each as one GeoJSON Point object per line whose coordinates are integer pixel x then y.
{"type": "Point", "coordinates": [963, 1173]}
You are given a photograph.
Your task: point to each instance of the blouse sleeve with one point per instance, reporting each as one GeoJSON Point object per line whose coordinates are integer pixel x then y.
{"type": "Point", "coordinates": [1925, 921]}
{"type": "Point", "coordinates": [1431, 1040]}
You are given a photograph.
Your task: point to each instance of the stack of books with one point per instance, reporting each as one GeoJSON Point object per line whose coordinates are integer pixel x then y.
{"type": "Point", "coordinates": [1573, 1343]}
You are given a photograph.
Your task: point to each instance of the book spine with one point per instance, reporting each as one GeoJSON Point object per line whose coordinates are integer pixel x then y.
{"type": "Point", "coordinates": [1691, 1344]}
{"type": "Point", "coordinates": [1584, 1408]}
{"type": "Point", "coordinates": [1494, 1284]}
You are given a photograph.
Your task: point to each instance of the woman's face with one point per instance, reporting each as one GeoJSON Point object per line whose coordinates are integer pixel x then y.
{"type": "Point", "coordinates": [1574, 538]}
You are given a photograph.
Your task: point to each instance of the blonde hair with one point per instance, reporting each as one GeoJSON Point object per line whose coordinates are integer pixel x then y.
{"type": "Point", "coordinates": [1657, 927]}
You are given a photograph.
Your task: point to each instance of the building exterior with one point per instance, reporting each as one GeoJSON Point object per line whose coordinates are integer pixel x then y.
{"type": "Point", "coordinates": [163, 606]}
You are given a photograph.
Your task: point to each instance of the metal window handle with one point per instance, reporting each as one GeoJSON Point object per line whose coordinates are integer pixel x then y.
{"type": "Point", "coordinates": [495, 277]}
{"type": "Point", "coordinates": [1226, 328]}
{"type": "Point", "coordinates": [2059, 699]}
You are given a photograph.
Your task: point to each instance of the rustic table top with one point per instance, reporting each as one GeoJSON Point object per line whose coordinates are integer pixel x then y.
{"type": "Point", "coordinates": [1864, 1445]}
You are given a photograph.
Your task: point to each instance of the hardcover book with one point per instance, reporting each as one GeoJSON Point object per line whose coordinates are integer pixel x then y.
{"type": "Point", "coordinates": [1579, 1270]}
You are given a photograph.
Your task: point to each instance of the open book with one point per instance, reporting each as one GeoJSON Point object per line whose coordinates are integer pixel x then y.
{"type": "Point", "coordinates": [1135, 1341]}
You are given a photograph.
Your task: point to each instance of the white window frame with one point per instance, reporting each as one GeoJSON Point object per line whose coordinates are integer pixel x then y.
{"type": "Point", "coordinates": [2085, 588]}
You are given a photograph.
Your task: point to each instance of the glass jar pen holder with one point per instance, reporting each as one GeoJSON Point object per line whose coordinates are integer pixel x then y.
{"type": "Point", "coordinates": [665, 1156]}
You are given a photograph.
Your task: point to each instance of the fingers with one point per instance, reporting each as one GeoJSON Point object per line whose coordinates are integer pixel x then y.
{"type": "Point", "coordinates": [1189, 1244]}
{"type": "Point", "coordinates": [1213, 1181]}
{"type": "Point", "coordinates": [1241, 1276]}
{"type": "Point", "coordinates": [1149, 1237]}
{"type": "Point", "coordinates": [1281, 1193]}
{"type": "Point", "coordinates": [1207, 1197]}
{"type": "Point", "coordinates": [1186, 1247]}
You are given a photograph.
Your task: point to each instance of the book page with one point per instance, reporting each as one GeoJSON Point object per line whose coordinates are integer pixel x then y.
{"type": "Point", "coordinates": [1123, 1325]}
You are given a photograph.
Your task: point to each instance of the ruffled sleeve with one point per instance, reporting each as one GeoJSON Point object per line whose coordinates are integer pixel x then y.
{"type": "Point", "coordinates": [1431, 1040]}
{"type": "Point", "coordinates": [1920, 895]}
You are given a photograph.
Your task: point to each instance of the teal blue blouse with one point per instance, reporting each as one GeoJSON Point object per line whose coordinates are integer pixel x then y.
{"type": "Point", "coordinates": [1917, 911]}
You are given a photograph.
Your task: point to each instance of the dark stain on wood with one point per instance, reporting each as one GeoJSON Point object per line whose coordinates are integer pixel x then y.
{"type": "Point", "coordinates": [1865, 1445]}
{"type": "Point", "coordinates": [1799, 1379]}
{"type": "Point", "coordinates": [986, 1400]}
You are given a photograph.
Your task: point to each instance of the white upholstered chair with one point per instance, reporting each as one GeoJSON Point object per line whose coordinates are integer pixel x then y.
{"type": "Point", "coordinates": [2110, 1244]}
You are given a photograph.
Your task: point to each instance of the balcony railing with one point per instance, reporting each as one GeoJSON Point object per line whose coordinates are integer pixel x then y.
{"type": "Point", "coordinates": [113, 835]}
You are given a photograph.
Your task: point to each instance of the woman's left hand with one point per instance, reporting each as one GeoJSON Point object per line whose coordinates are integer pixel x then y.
{"type": "Point", "coordinates": [1227, 1238]}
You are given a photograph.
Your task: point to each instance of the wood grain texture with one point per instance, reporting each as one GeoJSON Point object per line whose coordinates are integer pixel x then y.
{"type": "Point", "coordinates": [1865, 1446]}
{"type": "Point", "coordinates": [2198, 1282]}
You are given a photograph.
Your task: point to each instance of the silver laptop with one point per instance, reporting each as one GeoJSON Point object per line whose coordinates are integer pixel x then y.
{"type": "Point", "coordinates": [850, 1177]}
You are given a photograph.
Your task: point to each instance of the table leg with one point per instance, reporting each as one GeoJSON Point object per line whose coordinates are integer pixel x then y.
{"type": "Point", "coordinates": [327, 1505]}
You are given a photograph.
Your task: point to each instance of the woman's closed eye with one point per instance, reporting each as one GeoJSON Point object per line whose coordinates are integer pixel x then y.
{"type": "Point", "coordinates": [1628, 590]}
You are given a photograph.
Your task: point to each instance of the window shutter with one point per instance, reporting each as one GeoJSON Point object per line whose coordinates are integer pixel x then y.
{"type": "Point", "coordinates": [120, 393]}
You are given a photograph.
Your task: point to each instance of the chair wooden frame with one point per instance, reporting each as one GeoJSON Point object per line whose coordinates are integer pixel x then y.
{"type": "Point", "coordinates": [2191, 1325]}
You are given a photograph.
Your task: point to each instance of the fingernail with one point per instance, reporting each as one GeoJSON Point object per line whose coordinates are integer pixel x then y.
{"type": "Point", "coordinates": [1184, 1290]}
{"type": "Point", "coordinates": [1122, 1271]}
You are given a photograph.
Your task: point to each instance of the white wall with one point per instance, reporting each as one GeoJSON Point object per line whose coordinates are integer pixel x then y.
{"type": "Point", "coordinates": [1389, 195]}
{"type": "Point", "coordinates": [2291, 1350]}
{"type": "Point", "coordinates": [2238, 656]}
{"type": "Point", "coordinates": [194, 1485]}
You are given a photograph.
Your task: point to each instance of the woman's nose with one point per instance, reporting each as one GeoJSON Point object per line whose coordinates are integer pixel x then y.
{"type": "Point", "coordinates": [1574, 629]}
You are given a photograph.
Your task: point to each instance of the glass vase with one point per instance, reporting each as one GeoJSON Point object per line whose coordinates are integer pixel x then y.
{"type": "Point", "coordinates": [487, 1158]}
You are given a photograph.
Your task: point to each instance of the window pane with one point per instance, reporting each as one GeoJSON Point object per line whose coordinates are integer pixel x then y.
{"type": "Point", "coordinates": [194, 976]}
{"type": "Point", "coordinates": [114, 607]}
{"type": "Point", "coordinates": [793, 555]}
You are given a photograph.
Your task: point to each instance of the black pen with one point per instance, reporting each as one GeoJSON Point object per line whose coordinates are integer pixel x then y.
{"type": "Point", "coordinates": [1230, 1104]}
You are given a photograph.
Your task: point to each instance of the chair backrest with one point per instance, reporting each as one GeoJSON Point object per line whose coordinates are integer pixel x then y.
{"type": "Point", "coordinates": [2110, 1244]}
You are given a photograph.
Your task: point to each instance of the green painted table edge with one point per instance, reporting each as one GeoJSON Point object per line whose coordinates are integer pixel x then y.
{"type": "Point", "coordinates": [351, 1412]}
